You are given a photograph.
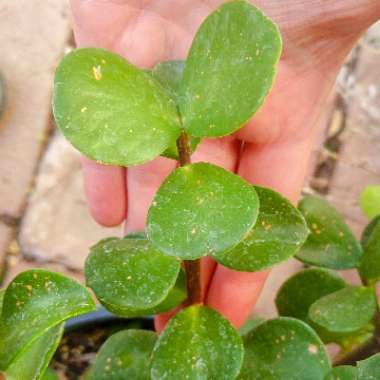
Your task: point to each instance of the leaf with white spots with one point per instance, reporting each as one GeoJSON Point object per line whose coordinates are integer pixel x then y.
{"type": "Point", "coordinates": [35, 301]}
{"type": "Point", "coordinates": [130, 277]}
{"type": "Point", "coordinates": [31, 363]}
{"type": "Point", "coordinates": [284, 349]}
{"type": "Point", "coordinates": [169, 74]}
{"type": "Point", "coordinates": [278, 234]}
{"type": "Point", "coordinates": [124, 356]}
{"type": "Point", "coordinates": [198, 343]}
{"type": "Point", "coordinates": [344, 372]}
{"type": "Point", "coordinates": [201, 209]}
{"type": "Point", "coordinates": [330, 244]}
{"type": "Point", "coordinates": [229, 70]}
{"type": "Point", "coordinates": [344, 311]}
{"type": "Point", "coordinates": [301, 290]}
{"type": "Point", "coordinates": [370, 266]}
{"type": "Point", "coordinates": [112, 111]}
{"type": "Point", "coordinates": [369, 369]}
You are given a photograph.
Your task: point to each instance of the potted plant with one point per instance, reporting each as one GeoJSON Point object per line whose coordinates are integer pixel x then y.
{"type": "Point", "coordinates": [115, 113]}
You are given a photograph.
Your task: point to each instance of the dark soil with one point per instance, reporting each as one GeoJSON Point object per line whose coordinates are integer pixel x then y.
{"type": "Point", "coordinates": [79, 346]}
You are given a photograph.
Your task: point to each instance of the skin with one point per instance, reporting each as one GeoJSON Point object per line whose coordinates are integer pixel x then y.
{"type": "Point", "coordinates": [317, 36]}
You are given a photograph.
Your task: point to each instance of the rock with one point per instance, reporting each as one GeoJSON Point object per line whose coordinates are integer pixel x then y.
{"type": "Point", "coordinates": [57, 226]}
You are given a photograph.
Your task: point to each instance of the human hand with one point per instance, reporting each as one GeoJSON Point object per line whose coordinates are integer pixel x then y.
{"type": "Point", "coordinates": [317, 36]}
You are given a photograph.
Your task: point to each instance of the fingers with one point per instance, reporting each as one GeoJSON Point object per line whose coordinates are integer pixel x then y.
{"type": "Point", "coordinates": [282, 167]}
{"type": "Point", "coordinates": [105, 192]}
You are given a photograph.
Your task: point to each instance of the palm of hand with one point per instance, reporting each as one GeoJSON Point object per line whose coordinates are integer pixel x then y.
{"type": "Point", "coordinates": [277, 142]}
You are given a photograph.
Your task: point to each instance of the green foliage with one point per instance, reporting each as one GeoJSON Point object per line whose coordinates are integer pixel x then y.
{"type": "Point", "coordinates": [35, 301]}
{"type": "Point", "coordinates": [50, 375]}
{"type": "Point", "coordinates": [330, 244]}
{"type": "Point", "coordinates": [169, 74]}
{"type": "Point", "coordinates": [284, 349]}
{"type": "Point", "coordinates": [31, 363]}
{"type": "Point", "coordinates": [116, 113]}
{"type": "Point", "coordinates": [229, 70]}
{"type": "Point", "coordinates": [369, 369]}
{"type": "Point", "coordinates": [130, 277]}
{"type": "Point", "coordinates": [100, 104]}
{"type": "Point", "coordinates": [300, 291]}
{"type": "Point", "coordinates": [199, 210]}
{"type": "Point", "coordinates": [124, 356]}
{"type": "Point", "coordinates": [370, 201]}
{"type": "Point", "coordinates": [346, 310]}
{"type": "Point", "coordinates": [278, 234]}
{"type": "Point", "coordinates": [344, 372]}
{"type": "Point", "coordinates": [370, 265]}
{"type": "Point", "coordinates": [198, 343]}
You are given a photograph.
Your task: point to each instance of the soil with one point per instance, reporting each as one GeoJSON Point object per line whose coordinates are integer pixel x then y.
{"type": "Point", "coordinates": [79, 346]}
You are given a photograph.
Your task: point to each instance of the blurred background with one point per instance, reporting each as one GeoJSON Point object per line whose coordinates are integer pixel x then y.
{"type": "Point", "coordinates": [44, 220]}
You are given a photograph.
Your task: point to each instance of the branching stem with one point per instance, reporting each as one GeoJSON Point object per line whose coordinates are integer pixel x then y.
{"type": "Point", "coordinates": [192, 267]}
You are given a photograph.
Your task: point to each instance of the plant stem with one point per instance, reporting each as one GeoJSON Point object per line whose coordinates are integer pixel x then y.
{"type": "Point", "coordinates": [192, 267]}
{"type": "Point", "coordinates": [364, 351]}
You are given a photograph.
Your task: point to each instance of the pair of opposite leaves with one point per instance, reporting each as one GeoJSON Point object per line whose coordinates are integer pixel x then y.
{"type": "Point", "coordinates": [118, 114]}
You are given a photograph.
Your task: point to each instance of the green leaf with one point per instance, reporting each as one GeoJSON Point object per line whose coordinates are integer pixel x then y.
{"type": "Point", "coordinates": [346, 310]}
{"type": "Point", "coordinates": [344, 372]}
{"type": "Point", "coordinates": [35, 301]}
{"type": "Point", "coordinates": [124, 356]}
{"type": "Point", "coordinates": [369, 369]}
{"type": "Point", "coordinates": [32, 362]}
{"type": "Point", "coordinates": [50, 375]}
{"type": "Point", "coordinates": [169, 74]}
{"type": "Point", "coordinates": [284, 349]}
{"type": "Point", "coordinates": [330, 244]}
{"type": "Point", "coordinates": [300, 291]}
{"type": "Point", "coordinates": [229, 70]}
{"type": "Point", "coordinates": [250, 324]}
{"type": "Point", "coordinates": [370, 266]}
{"type": "Point", "coordinates": [201, 209]}
{"type": "Point", "coordinates": [278, 234]}
{"type": "Point", "coordinates": [110, 110]}
{"type": "Point", "coordinates": [129, 276]}
{"type": "Point", "coordinates": [370, 201]}
{"type": "Point", "coordinates": [2, 292]}
{"type": "Point", "coordinates": [198, 343]}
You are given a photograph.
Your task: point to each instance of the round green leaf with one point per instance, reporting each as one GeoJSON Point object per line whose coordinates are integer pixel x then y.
{"type": "Point", "coordinates": [370, 201]}
{"type": "Point", "coordinates": [32, 362]}
{"type": "Point", "coordinates": [346, 310]}
{"type": "Point", "coordinates": [284, 349]}
{"type": "Point", "coordinates": [198, 343]}
{"type": "Point", "coordinates": [129, 276]}
{"type": "Point", "coordinates": [110, 110]}
{"type": "Point", "coordinates": [124, 356]}
{"type": "Point", "coordinates": [369, 369]}
{"type": "Point", "coordinates": [278, 234]}
{"type": "Point", "coordinates": [344, 372]}
{"type": "Point", "coordinates": [169, 74]}
{"type": "Point", "coordinates": [201, 209]}
{"type": "Point", "coordinates": [330, 244]}
{"type": "Point", "coordinates": [229, 70]}
{"type": "Point", "coordinates": [300, 291]}
{"type": "Point", "coordinates": [370, 266]}
{"type": "Point", "coordinates": [35, 301]}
